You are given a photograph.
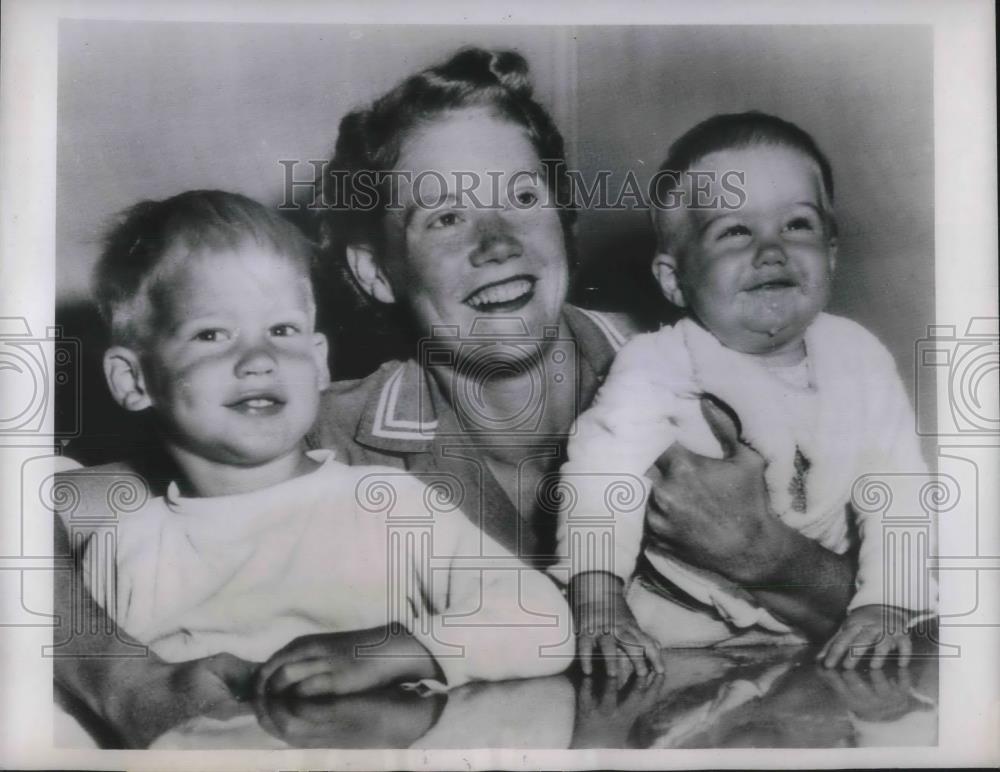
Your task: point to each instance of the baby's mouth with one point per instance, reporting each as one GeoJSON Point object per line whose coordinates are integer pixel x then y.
{"type": "Point", "coordinates": [507, 295]}
{"type": "Point", "coordinates": [772, 284]}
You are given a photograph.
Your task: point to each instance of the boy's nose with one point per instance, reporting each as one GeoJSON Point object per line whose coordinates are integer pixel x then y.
{"type": "Point", "coordinates": [256, 360]}
{"type": "Point", "coordinates": [496, 240]}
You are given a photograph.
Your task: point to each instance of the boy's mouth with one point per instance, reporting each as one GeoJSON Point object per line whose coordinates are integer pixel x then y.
{"type": "Point", "coordinates": [258, 404]}
{"type": "Point", "coordinates": [502, 296]}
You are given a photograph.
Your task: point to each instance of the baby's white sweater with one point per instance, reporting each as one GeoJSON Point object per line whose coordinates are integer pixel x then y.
{"type": "Point", "coordinates": [853, 418]}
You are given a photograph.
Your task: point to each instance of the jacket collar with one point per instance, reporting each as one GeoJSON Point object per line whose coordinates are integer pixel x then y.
{"type": "Point", "coordinates": [405, 405]}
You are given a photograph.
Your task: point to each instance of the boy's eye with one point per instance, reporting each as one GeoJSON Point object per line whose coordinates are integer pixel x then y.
{"type": "Point", "coordinates": [210, 336]}
{"type": "Point", "coordinates": [444, 220]}
{"type": "Point", "coordinates": [284, 330]}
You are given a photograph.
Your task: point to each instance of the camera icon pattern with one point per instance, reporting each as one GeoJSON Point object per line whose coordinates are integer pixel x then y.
{"type": "Point", "coordinates": [971, 364]}
{"type": "Point", "coordinates": [31, 367]}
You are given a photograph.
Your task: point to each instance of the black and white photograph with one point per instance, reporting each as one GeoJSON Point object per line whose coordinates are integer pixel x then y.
{"type": "Point", "coordinates": [470, 389]}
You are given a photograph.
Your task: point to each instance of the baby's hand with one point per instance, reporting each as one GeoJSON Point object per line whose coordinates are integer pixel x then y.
{"type": "Point", "coordinates": [334, 663]}
{"type": "Point", "coordinates": [605, 622]}
{"type": "Point", "coordinates": [876, 628]}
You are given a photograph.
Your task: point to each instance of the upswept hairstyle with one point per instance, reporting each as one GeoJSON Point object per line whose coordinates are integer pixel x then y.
{"type": "Point", "coordinates": [135, 247]}
{"type": "Point", "coordinates": [739, 131]}
{"type": "Point", "coordinates": [370, 139]}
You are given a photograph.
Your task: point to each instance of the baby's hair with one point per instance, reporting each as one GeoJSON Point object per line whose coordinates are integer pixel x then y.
{"type": "Point", "coordinates": [194, 222]}
{"type": "Point", "coordinates": [738, 131]}
{"type": "Point", "coordinates": [370, 139]}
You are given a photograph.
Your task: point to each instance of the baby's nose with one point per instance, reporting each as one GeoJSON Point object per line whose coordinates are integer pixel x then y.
{"type": "Point", "coordinates": [770, 254]}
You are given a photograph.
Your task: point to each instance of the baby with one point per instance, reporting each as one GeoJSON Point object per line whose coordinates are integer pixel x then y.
{"type": "Point", "coordinates": [256, 541]}
{"type": "Point", "coordinates": [750, 254]}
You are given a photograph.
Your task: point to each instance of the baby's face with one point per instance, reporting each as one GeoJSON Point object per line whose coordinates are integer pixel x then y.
{"type": "Point", "coordinates": [234, 368]}
{"type": "Point", "coordinates": [757, 276]}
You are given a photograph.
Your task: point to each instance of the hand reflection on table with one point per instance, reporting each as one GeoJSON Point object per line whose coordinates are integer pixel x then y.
{"type": "Point", "coordinates": [708, 698]}
{"type": "Point", "coordinates": [793, 703]}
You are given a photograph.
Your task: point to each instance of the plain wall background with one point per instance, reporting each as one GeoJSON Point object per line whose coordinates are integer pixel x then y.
{"type": "Point", "coordinates": [146, 110]}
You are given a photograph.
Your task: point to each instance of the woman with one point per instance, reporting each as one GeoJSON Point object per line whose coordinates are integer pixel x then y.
{"type": "Point", "coordinates": [467, 235]}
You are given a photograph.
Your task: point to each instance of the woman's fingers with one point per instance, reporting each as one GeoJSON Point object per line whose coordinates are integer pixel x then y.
{"type": "Point", "coordinates": [722, 426]}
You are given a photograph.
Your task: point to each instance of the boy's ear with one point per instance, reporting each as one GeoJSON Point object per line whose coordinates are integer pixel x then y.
{"type": "Point", "coordinates": [364, 265]}
{"type": "Point", "coordinates": [665, 271]}
{"type": "Point", "coordinates": [124, 375]}
{"type": "Point", "coordinates": [321, 351]}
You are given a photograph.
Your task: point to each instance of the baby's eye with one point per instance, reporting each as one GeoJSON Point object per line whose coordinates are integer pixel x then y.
{"type": "Point", "coordinates": [799, 224]}
{"type": "Point", "coordinates": [285, 330]}
{"type": "Point", "coordinates": [445, 220]}
{"type": "Point", "coordinates": [213, 335]}
{"type": "Point", "coordinates": [734, 231]}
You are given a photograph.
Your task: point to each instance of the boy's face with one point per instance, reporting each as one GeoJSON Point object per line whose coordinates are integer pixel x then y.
{"type": "Point", "coordinates": [755, 276]}
{"type": "Point", "coordinates": [233, 367]}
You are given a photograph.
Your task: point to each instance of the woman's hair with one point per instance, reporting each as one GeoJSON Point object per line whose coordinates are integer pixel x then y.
{"type": "Point", "coordinates": [369, 142]}
{"type": "Point", "coordinates": [137, 245]}
{"type": "Point", "coordinates": [370, 139]}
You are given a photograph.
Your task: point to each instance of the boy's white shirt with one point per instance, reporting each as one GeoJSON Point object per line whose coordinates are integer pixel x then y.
{"type": "Point", "coordinates": [248, 573]}
{"type": "Point", "coordinates": [856, 420]}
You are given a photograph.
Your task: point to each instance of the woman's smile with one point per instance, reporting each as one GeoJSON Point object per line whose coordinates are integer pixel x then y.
{"type": "Point", "coordinates": [503, 296]}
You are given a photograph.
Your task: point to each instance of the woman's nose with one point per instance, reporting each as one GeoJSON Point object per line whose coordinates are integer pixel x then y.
{"type": "Point", "coordinates": [255, 360]}
{"type": "Point", "coordinates": [497, 242]}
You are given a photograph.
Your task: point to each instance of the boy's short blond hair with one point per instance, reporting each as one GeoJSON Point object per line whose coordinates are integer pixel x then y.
{"type": "Point", "coordinates": [152, 235]}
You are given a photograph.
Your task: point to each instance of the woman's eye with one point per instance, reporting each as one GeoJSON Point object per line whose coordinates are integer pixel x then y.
{"type": "Point", "coordinates": [284, 330]}
{"type": "Point", "coordinates": [210, 336]}
{"type": "Point", "coordinates": [445, 220]}
{"type": "Point", "coordinates": [527, 198]}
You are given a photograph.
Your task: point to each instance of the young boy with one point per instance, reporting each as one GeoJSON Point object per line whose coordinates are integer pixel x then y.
{"type": "Point", "coordinates": [257, 542]}
{"type": "Point", "coordinates": [750, 254]}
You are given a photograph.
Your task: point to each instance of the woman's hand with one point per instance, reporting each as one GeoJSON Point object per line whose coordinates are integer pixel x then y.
{"type": "Point", "coordinates": [715, 513]}
{"type": "Point", "coordinates": [605, 622]}
{"type": "Point", "coordinates": [344, 663]}
{"type": "Point", "coordinates": [878, 629]}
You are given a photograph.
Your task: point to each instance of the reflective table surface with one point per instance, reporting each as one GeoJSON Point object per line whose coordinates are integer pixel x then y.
{"type": "Point", "coordinates": [708, 698]}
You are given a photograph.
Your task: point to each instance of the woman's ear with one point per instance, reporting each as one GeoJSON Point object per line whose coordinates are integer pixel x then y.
{"type": "Point", "coordinates": [123, 373]}
{"type": "Point", "coordinates": [665, 271]}
{"type": "Point", "coordinates": [364, 265]}
{"type": "Point", "coordinates": [321, 350]}
{"type": "Point", "coordinates": [831, 251]}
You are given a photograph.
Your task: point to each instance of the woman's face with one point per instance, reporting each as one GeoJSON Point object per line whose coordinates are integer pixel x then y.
{"type": "Point", "coordinates": [472, 241]}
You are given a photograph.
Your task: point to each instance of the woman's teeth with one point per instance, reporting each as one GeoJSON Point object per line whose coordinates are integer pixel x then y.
{"type": "Point", "coordinates": [259, 402]}
{"type": "Point", "coordinates": [502, 293]}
